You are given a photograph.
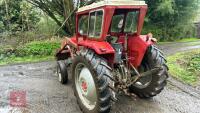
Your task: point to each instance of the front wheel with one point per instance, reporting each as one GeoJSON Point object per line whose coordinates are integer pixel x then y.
{"type": "Point", "coordinates": [91, 84]}
{"type": "Point", "coordinates": [62, 72]}
{"type": "Point", "coordinates": [149, 86]}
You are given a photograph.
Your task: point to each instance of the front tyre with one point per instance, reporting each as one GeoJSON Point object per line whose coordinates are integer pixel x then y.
{"type": "Point", "coordinates": [62, 72]}
{"type": "Point", "coordinates": [152, 85]}
{"type": "Point", "coordinates": [91, 84]}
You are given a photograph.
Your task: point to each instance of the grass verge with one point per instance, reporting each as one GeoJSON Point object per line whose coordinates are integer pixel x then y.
{"type": "Point", "coordinates": [26, 59]}
{"type": "Point", "coordinates": [188, 40]}
{"type": "Point", "coordinates": [185, 66]}
{"type": "Point", "coordinates": [182, 40]}
{"type": "Point", "coordinates": [35, 51]}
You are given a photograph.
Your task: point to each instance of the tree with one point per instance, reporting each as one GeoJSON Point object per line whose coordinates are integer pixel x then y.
{"type": "Point", "coordinates": [172, 18]}
{"type": "Point", "coordinates": [165, 18]}
{"type": "Point", "coordinates": [17, 15]}
{"type": "Point", "coordinates": [60, 10]}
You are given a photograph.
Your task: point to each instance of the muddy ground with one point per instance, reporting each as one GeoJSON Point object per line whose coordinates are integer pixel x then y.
{"type": "Point", "coordinates": [44, 94]}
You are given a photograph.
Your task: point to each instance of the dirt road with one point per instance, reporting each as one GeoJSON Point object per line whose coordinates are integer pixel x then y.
{"type": "Point", "coordinates": [44, 94]}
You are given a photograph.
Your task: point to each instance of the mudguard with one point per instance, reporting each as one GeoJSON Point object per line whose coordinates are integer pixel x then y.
{"type": "Point", "coordinates": [103, 49]}
{"type": "Point", "coordinates": [137, 47]}
{"type": "Point", "coordinates": [99, 47]}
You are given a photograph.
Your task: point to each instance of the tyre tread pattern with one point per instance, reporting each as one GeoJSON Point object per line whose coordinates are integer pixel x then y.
{"type": "Point", "coordinates": [64, 73]}
{"type": "Point", "coordinates": [155, 58]}
{"type": "Point", "coordinates": [102, 71]}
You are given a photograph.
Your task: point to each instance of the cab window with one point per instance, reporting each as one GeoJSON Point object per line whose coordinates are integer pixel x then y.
{"type": "Point", "coordinates": [83, 25]}
{"type": "Point", "coordinates": [131, 22]}
{"type": "Point", "coordinates": [117, 23]}
{"type": "Point", "coordinates": [95, 24]}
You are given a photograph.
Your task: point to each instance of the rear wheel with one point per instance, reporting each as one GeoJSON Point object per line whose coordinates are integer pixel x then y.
{"type": "Point", "coordinates": [149, 86]}
{"type": "Point", "coordinates": [91, 82]}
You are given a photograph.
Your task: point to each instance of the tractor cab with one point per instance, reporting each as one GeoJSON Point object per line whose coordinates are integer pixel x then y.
{"type": "Point", "coordinates": [114, 18]}
{"type": "Point", "coordinates": [108, 26]}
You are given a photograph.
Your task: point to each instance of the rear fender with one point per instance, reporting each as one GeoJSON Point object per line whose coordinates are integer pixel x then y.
{"type": "Point", "coordinates": [103, 49]}
{"type": "Point", "coordinates": [137, 46]}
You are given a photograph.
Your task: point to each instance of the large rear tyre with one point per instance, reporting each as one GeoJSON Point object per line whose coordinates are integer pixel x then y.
{"type": "Point", "coordinates": [91, 82]}
{"type": "Point", "coordinates": [152, 85]}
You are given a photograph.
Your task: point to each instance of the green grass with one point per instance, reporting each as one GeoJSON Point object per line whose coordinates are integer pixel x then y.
{"type": "Point", "coordinates": [188, 40]}
{"type": "Point", "coordinates": [26, 59]}
{"type": "Point", "coordinates": [35, 48]}
{"type": "Point", "coordinates": [35, 51]}
{"type": "Point", "coordinates": [185, 66]}
{"type": "Point", "coordinates": [182, 40]}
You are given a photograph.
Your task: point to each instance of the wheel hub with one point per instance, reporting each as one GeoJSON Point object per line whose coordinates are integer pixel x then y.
{"type": "Point", "coordinates": [59, 74]}
{"type": "Point", "coordinates": [85, 86]}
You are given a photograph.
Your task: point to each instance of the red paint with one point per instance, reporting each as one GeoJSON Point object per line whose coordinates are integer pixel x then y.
{"type": "Point", "coordinates": [84, 86]}
{"type": "Point", "coordinates": [99, 47]}
{"type": "Point", "coordinates": [137, 46]}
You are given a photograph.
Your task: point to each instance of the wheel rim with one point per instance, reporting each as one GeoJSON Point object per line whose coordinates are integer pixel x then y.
{"type": "Point", "coordinates": [145, 81]}
{"type": "Point", "coordinates": [59, 74]}
{"type": "Point", "coordinates": [85, 86]}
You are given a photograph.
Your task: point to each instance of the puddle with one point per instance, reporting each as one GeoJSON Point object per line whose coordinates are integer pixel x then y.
{"type": "Point", "coordinates": [13, 110]}
{"type": "Point", "coordinates": [6, 74]}
{"type": "Point", "coordinates": [1, 75]}
{"type": "Point", "coordinates": [19, 74]}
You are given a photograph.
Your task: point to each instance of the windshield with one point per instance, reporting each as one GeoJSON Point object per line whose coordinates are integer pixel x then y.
{"type": "Point", "coordinates": [117, 23]}
{"type": "Point", "coordinates": [125, 22]}
{"type": "Point", "coordinates": [131, 22]}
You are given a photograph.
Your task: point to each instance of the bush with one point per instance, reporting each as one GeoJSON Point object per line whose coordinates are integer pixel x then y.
{"type": "Point", "coordinates": [193, 63]}
{"type": "Point", "coordinates": [164, 33]}
{"type": "Point", "coordinates": [31, 52]}
{"type": "Point", "coordinates": [38, 48]}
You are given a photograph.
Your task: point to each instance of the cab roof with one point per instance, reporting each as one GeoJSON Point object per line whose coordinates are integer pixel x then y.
{"type": "Point", "coordinates": [112, 3]}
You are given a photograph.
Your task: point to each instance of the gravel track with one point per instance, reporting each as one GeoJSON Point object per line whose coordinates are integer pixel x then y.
{"type": "Point", "coordinates": [45, 94]}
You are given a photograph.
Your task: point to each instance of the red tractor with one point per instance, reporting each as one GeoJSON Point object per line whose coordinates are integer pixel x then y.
{"type": "Point", "coordinates": [108, 55]}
